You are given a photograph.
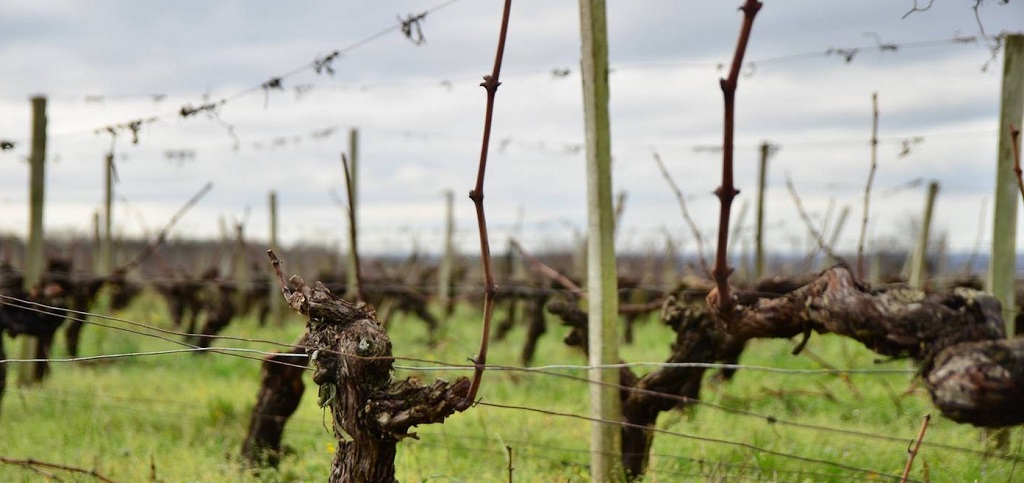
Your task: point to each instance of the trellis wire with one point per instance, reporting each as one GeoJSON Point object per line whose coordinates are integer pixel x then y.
{"type": "Point", "coordinates": [446, 366]}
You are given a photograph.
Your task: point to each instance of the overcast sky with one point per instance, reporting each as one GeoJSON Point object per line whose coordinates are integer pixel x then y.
{"type": "Point", "coordinates": [419, 112]}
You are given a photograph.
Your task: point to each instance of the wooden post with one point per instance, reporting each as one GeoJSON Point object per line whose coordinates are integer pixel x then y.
{"type": "Point", "coordinates": [352, 285]}
{"type": "Point", "coordinates": [605, 441]}
{"type": "Point", "coordinates": [942, 254]}
{"type": "Point", "coordinates": [875, 270]}
{"type": "Point", "coordinates": [97, 243]}
{"type": "Point", "coordinates": [107, 243]}
{"type": "Point", "coordinates": [276, 307]}
{"type": "Point", "coordinates": [745, 272]}
{"type": "Point", "coordinates": [241, 277]}
{"type": "Point", "coordinates": [222, 228]}
{"type": "Point", "coordinates": [1002, 262]}
{"type": "Point", "coordinates": [34, 257]}
{"type": "Point", "coordinates": [670, 271]}
{"type": "Point", "coordinates": [579, 253]}
{"type": "Point", "coordinates": [759, 236]}
{"type": "Point", "coordinates": [444, 273]}
{"type": "Point", "coordinates": [918, 267]}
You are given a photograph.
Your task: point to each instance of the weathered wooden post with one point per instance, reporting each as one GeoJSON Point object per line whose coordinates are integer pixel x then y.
{"type": "Point", "coordinates": [107, 244]}
{"type": "Point", "coordinates": [1002, 263]}
{"type": "Point", "coordinates": [579, 253]}
{"type": "Point", "coordinates": [97, 242]}
{"type": "Point", "coordinates": [352, 280]}
{"type": "Point", "coordinates": [241, 277]}
{"type": "Point", "coordinates": [918, 266]}
{"type": "Point", "coordinates": [222, 229]}
{"type": "Point", "coordinates": [34, 257]}
{"type": "Point", "coordinates": [605, 464]}
{"type": "Point", "coordinates": [276, 305]}
{"type": "Point", "coordinates": [670, 269]}
{"type": "Point", "coordinates": [762, 184]}
{"type": "Point", "coordinates": [444, 273]}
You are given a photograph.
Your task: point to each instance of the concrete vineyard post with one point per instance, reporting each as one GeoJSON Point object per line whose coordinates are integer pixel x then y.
{"type": "Point", "coordinates": [918, 266]}
{"type": "Point", "coordinates": [605, 464]}
{"type": "Point", "coordinates": [444, 275]}
{"type": "Point", "coordinates": [276, 303]}
{"type": "Point", "coordinates": [759, 237]}
{"type": "Point", "coordinates": [107, 243]}
{"type": "Point", "coordinates": [34, 251]}
{"type": "Point", "coordinates": [352, 285]}
{"type": "Point", "coordinates": [1002, 262]}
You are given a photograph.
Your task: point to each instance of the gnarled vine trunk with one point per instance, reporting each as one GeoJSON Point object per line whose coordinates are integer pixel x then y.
{"type": "Point", "coordinates": [371, 412]}
{"type": "Point", "coordinates": [974, 375]}
{"type": "Point", "coordinates": [697, 340]}
{"type": "Point", "coordinates": [281, 389]}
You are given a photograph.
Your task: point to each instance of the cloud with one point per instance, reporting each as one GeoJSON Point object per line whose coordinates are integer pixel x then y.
{"type": "Point", "coordinates": [420, 138]}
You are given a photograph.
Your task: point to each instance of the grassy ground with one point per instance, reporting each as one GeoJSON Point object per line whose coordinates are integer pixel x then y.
{"type": "Point", "coordinates": [182, 417]}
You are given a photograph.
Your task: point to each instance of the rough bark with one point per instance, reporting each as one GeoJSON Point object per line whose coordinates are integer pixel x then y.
{"type": "Point", "coordinates": [371, 413]}
{"type": "Point", "coordinates": [509, 294]}
{"type": "Point", "coordinates": [84, 295]}
{"type": "Point", "coordinates": [537, 325]}
{"type": "Point", "coordinates": [981, 383]}
{"type": "Point", "coordinates": [411, 301]}
{"type": "Point", "coordinates": [969, 368]}
{"type": "Point", "coordinates": [697, 340]}
{"type": "Point", "coordinates": [281, 389]}
{"type": "Point", "coordinates": [636, 303]}
{"type": "Point", "coordinates": [122, 291]}
{"type": "Point", "coordinates": [973, 374]}
{"type": "Point", "coordinates": [182, 295]}
{"type": "Point", "coordinates": [3, 369]}
{"type": "Point", "coordinates": [218, 307]}
{"type": "Point", "coordinates": [257, 297]}
{"type": "Point", "coordinates": [532, 300]}
{"type": "Point", "coordinates": [898, 322]}
{"type": "Point", "coordinates": [20, 318]}
{"type": "Point", "coordinates": [392, 293]}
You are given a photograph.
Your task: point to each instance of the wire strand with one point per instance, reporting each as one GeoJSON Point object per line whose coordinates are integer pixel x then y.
{"type": "Point", "coordinates": [157, 353]}
{"type": "Point", "coordinates": [694, 437]}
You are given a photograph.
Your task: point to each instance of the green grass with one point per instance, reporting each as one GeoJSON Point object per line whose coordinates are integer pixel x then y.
{"type": "Point", "coordinates": [182, 417]}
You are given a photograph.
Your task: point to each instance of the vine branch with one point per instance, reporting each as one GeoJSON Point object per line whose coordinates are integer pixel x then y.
{"type": "Point", "coordinates": [917, 446]}
{"type": "Point", "coordinates": [810, 225]}
{"type": "Point", "coordinates": [686, 213]}
{"type": "Point", "coordinates": [490, 84]}
{"type": "Point", "coordinates": [917, 8]}
{"type": "Point", "coordinates": [867, 188]}
{"type": "Point", "coordinates": [155, 243]}
{"type": "Point", "coordinates": [36, 464]}
{"type": "Point", "coordinates": [548, 272]}
{"type": "Point", "coordinates": [720, 300]}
